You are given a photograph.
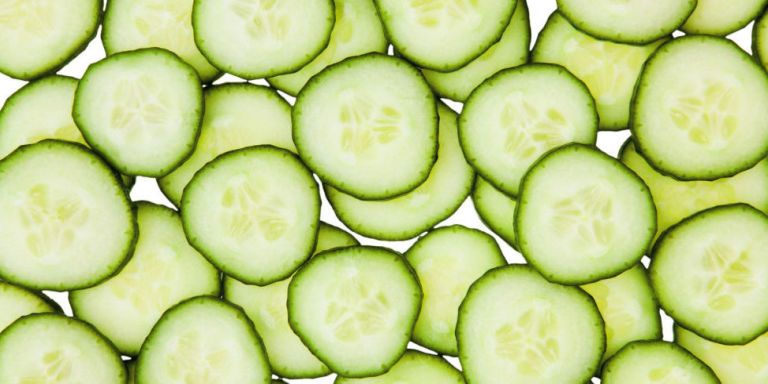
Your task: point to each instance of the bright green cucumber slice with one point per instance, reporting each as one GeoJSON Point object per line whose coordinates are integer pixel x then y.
{"type": "Point", "coordinates": [253, 213]}
{"type": "Point", "coordinates": [413, 368]}
{"type": "Point", "coordinates": [733, 364]}
{"type": "Point", "coordinates": [760, 39]}
{"type": "Point", "coordinates": [67, 221]}
{"type": "Point", "coordinates": [237, 115]}
{"type": "Point", "coordinates": [516, 327]}
{"type": "Point", "coordinates": [496, 210]}
{"type": "Point", "coordinates": [722, 17]}
{"type": "Point", "coordinates": [406, 216]}
{"type": "Point", "coordinates": [17, 302]}
{"type": "Point", "coordinates": [511, 119]}
{"type": "Point", "coordinates": [651, 362]}
{"type": "Point", "coordinates": [355, 308]}
{"type": "Point", "coordinates": [722, 294]}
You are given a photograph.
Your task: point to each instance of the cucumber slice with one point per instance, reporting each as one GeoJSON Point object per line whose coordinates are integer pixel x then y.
{"type": "Point", "coordinates": [260, 38]}
{"type": "Point", "coordinates": [444, 35]}
{"type": "Point", "coordinates": [206, 340]}
{"type": "Point", "coordinates": [367, 126]}
{"type": "Point", "coordinates": [236, 115]}
{"type": "Point", "coordinates": [628, 307]}
{"type": "Point", "coordinates": [644, 362]}
{"type": "Point", "coordinates": [344, 301]}
{"type": "Point", "coordinates": [516, 327]}
{"type": "Point", "coordinates": [163, 271]}
{"type": "Point", "coordinates": [130, 366]}
{"type": "Point", "coordinates": [357, 31]}
{"type": "Point", "coordinates": [406, 216]}
{"type": "Point", "coordinates": [67, 221]}
{"type": "Point", "coordinates": [676, 200]}
{"type": "Point", "coordinates": [703, 121]}
{"type": "Point", "coordinates": [510, 51]}
{"type": "Point", "coordinates": [17, 302]}
{"type": "Point", "coordinates": [266, 307]}
{"type": "Point", "coordinates": [610, 70]}
{"type": "Point", "coordinates": [52, 348]}
{"type": "Point", "coordinates": [583, 216]}
{"type": "Point", "coordinates": [722, 17]}
{"type": "Point", "coordinates": [496, 210]}
{"type": "Point", "coordinates": [40, 36]}
{"type": "Point", "coordinates": [135, 24]}
{"type": "Point", "coordinates": [724, 253]}
{"type": "Point", "coordinates": [760, 38]}
{"type": "Point", "coordinates": [413, 368]}
{"type": "Point", "coordinates": [253, 213]}
{"type": "Point", "coordinates": [141, 110]}
{"type": "Point", "coordinates": [627, 21]}
{"type": "Point", "coordinates": [510, 120]}
{"type": "Point", "coordinates": [447, 261]}
{"type": "Point", "coordinates": [733, 364]}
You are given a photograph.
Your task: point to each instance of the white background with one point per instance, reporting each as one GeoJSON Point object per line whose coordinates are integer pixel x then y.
{"type": "Point", "coordinates": [146, 189]}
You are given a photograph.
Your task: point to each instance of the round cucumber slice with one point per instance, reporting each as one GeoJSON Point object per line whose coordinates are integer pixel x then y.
{"type": "Point", "coordinates": [367, 126]}
{"type": "Point", "coordinates": [237, 115]}
{"type": "Point", "coordinates": [644, 362]}
{"type": "Point", "coordinates": [516, 327]}
{"type": "Point", "coordinates": [203, 339]}
{"type": "Point", "coordinates": [344, 301]}
{"type": "Point", "coordinates": [511, 119]}
{"type": "Point", "coordinates": [447, 261]}
{"type": "Point", "coordinates": [17, 302]}
{"type": "Point", "coordinates": [41, 36]}
{"type": "Point", "coordinates": [357, 31]}
{"type": "Point", "coordinates": [627, 21]}
{"type": "Point", "coordinates": [408, 215]}
{"type": "Point", "coordinates": [413, 368]}
{"type": "Point", "coordinates": [724, 253]}
{"type": "Point", "coordinates": [733, 364]}
{"type": "Point", "coordinates": [704, 121]}
{"type": "Point", "coordinates": [510, 51]}
{"type": "Point", "coordinates": [141, 110]}
{"type": "Point", "coordinates": [583, 216]}
{"type": "Point", "coordinates": [135, 24]}
{"type": "Point", "coordinates": [496, 210]}
{"type": "Point", "coordinates": [261, 38]}
{"type": "Point", "coordinates": [722, 17]}
{"type": "Point", "coordinates": [52, 348]}
{"type": "Point", "coordinates": [444, 35]}
{"type": "Point", "coordinates": [253, 213]}
{"type": "Point", "coordinates": [67, 221]}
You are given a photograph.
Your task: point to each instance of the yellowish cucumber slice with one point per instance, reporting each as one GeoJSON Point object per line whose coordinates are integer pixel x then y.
{"type": "Point", "coordinates": [17, 302]}
{"type": "Point", "coordinates": [651, 362]}
{"type": "Point", "coordinates": [722, 17]}
{"type": "Point", "coordinates": [496, 209]}
{"type": "Point", "coordinates": [413, 368]}
{"type": "Point", "coordinates": [733, 364]}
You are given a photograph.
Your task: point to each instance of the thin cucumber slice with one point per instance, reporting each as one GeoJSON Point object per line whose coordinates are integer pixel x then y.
{"type": "Point", "coordinates": [141, 110]}
{"type": "Point", "coordinates": [261, 38]}
{"type": "Point", "coordinates": [722, 294]}
{"type": "Point", "coordinates": [628, 307]}
{"type": "Point", "coordinates": [703, 121]}
{"type": "Point", "coordinates": [510, 51]}
{"type": "Point", "coordinates": [203, 339]}
{"type": "Point", "coordinates": [163, 271]}
{"type": "Point", "coordinates": [367, 126]}
{"type": "Point", "coordinates": [345, 301]}
{"type": "Point", "coordinates": [644, 362]}
{"type": "Point", "coordinates": [516, 327]}
{"type": "Point", "coordinates": [733, 364]}
{"type": "Point", "coordinates": [38, 37]}
{"type": "Point", "coordinates": [237, 115]}
{"type": "Point", "coordinates": [444, 35]}
{"type": "Point", "coordinates": [357, 31]}
{"type": "Point", "coordinates": [135, 24]}
{"type": "Point", "coordinates": [130, 366]}
{"type": "Point", "coordinates": [266, 307]}
{"type": "Point", "coordinates": [52, 348]}
{"type": "Point", "coordinates": [406, 216]}
{"type": "Point", "coordinates": [17, 302]}
{"type": "Point", "coordinates": [676, 200]}
{"type": "Point", "coordinates": [760, 39]}
{"type": "Point", "coordinates": [67, 221]}
{"type": "Point", "coordinates": [253, 213]}
{"type": "Point", "coordinates": [496, 210]}
{"type": "Point", "coordinates": [447, 261]}
{"type": "Point", "coordinates": [413, 368]}
{"type": "Point", "coordinates": [610, 70]}
{"type": "Point", "coordinates": [722, 17]}
{"type": "Point", "coordinates": [583, 216]}
{"type": "Point", "coordinates": [627, 21]}
{"type": "Point", "coordinates": [511, 119]}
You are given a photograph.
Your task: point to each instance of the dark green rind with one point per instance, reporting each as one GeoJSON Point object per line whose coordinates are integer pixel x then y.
{"type": "Point", "coordinates": [487, 213]}
{"type": "Point", "coordinates": [133, 234]}
{"type": "Point", "coordinates": [425, 358]}
{"type": "Point", "coordinates": [757, 41]}
{"type": "Point", "coordinates": [723, 30]}
{"type": "Point", "coordinates": [358, 252]}
{"type": "Point", "coordinates": [54, 306]}
{"type": "Point", "coordinates": [649, 345]}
